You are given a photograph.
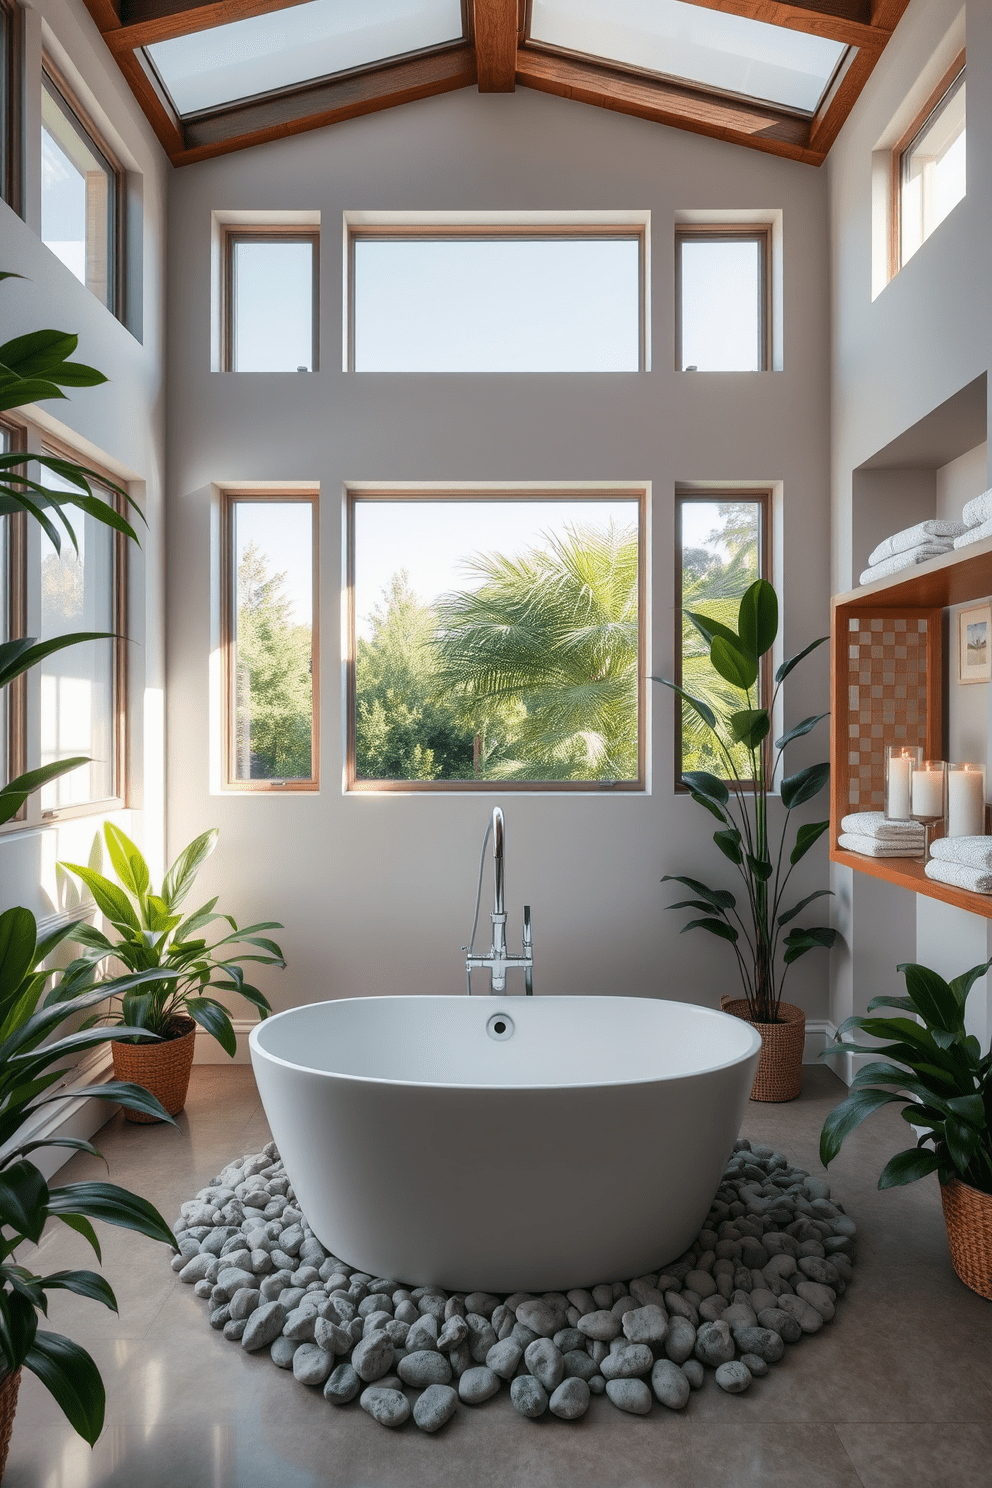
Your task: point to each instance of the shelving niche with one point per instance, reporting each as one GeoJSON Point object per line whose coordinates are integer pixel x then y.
{"type": "Point", "coordinates": [888, 642]}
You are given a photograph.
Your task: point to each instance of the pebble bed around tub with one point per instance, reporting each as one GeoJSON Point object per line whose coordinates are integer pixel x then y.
{"type": "Point", "coordinates": [768, 1267]}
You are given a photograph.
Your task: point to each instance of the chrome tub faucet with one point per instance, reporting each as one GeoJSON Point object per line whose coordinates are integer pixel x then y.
{"type": "Point", "coordinates": [498, 961]}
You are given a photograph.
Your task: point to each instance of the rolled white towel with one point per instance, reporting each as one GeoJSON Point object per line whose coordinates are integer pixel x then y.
{"type": "Point", "coordinates": [959, 876]}
{"type": "Point", "coordinates": [974, 534]}
{"type": "Point", "coordinates": [875, 847]}
{"type": "Point", "coordinates": [978, 510]}
{"type": "Point", "coordinates": [971, 852]}
{"type": "Point", "coordinates": [932, 549]}
{"type": "Point", "coordinates": [877, 824]}
{"type": "Point", "coordinates": [911, 537]}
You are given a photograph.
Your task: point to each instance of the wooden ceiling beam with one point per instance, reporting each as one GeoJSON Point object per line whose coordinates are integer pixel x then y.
{"type": "Point", "coordinates": [842, 97]}
{"type": "Point", "coordinates": [330, 102]}
{"type": "Point", "coordinates": [742, 122]}
{"type": "Point", "coordinates": [847, 21]}
{"type": "Point", "coordinates": [143, 22]}
{"type": "Point", "coordinates": [885, 14]}
{"type": "Point", "coordinates": [494, 29]}
{"type": "Point", "coordinates": [156, 110]}
{"type": "Point", "coordinates": [106, 13]}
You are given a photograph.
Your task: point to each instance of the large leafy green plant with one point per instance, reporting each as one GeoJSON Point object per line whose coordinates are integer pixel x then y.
{"type": "Point", "coordinates": [32, 1061]}
{"type": "Point", "coordinates": [151, 936]}
{"type": "Point", "coordinates": [944, 1084]}
{"type": "Point", "coordinates": [756, 929]}
{"type": "Point", "coordinates": [38, 366]}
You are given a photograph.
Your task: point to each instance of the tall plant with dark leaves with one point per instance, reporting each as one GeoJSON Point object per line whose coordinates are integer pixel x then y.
{"type": "Point", "coordinates": [755, 927]}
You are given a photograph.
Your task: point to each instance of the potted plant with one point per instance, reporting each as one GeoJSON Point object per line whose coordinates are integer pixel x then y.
{"type": "Point", "coordinates": [28, 1052]}
{"type": "Point", "coordinates": [937, 1071]}
{"type": "Point", "coordinates": [161, 1016]}
{"type": "Point", "coordinates": [756, 929]}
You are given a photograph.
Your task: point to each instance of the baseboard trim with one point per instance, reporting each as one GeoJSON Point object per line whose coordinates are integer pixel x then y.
{"type": "Point", "coordinates": [207, 1050]}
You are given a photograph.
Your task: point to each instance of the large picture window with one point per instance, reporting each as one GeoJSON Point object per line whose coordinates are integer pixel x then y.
{"type": "Point", "coordinates": [270, 642]}
{"type": "Point", "coordinates": [496, 637]}
{"type": "Point", "coordinates": [722, 546]}
{"type": "Point", "coordinates": [81, 195]}
{"type": "Point", "coordinates": [519, 299]}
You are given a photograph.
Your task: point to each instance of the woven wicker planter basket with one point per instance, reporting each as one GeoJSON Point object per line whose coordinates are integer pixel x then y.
{"type": "Point", "coordinates": [161, 1068]}
{"type": "Point", "coordinates": [780, 1064]}
{"type": "Point", "coordinates": [9, 1386]}
{"type": "Point", "coordinates": [968, 1216]}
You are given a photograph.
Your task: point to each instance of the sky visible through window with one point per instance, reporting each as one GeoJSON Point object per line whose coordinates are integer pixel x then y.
{"type": "Point", "coordinates": [721, 305]}
{"type": "Point", "coordinates": [432, 540]}
{"type": "Point", "coordinates": [273, 306]}
{"type": "Point", "coordinates": [514, 304]}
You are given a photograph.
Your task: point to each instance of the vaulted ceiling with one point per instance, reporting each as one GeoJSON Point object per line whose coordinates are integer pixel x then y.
{"type": "Point", "coordinates": [773, 75]}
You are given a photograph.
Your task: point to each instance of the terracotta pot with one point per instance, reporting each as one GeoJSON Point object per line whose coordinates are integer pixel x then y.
{"type": "Point", "coordinates": [9, 1386]}
{"type": "Point", "coordinates": [780, 1064]}
{"type": "Point", "coordinates": [162, 1068]}
{"type": "Point", "coordinates": [968, 1217]}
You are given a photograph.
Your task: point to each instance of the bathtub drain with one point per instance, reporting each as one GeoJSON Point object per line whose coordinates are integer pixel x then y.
{"type": "Point", "coordinates": [500, 1027]}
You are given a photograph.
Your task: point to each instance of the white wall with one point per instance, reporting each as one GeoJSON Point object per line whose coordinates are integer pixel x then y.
{"type": "Point", "coordinates": [122, 426]}
{"type": "Point", "coordinates": [376, 891]}
{"type": "Point", "coordinates": [895, 358]}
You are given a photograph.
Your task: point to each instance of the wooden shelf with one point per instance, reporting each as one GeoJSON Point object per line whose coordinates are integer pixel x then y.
{"type": "Point", "coordinates": [918, 596]}
{"type": "Point", "coordinates": [908, 874]}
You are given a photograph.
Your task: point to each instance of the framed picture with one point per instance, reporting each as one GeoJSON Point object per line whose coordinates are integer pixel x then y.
{"type": "Point", "coordinates": [975, 644]}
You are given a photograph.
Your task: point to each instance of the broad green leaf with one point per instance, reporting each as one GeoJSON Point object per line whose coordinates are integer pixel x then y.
{"type": "Point", "coordinates": [729, 844]}
{"type": "Point", "coordinates": [970, 1108]}
{"type": "Point", "coordinates": [82, 1227]}
{"type": "Point", "coordinates": [26, 390]}
{"type": "Point", "coordinates": [699, 904]}
{"type": "Point", "coordinates": [69, 1374]}
{"type": "Point", "coordinates": [114, 1205]}
{"type": "Point", "coordinates": [962, 1142]}
{"type": "Point", "coordinates": [110, 900]}
{"type": "Point", "coordinates": [733, 663]}
{"type": "Point", "coordinates": [790, 914]}
{"type": "Point", "coordinates": [806, 727]}
{"type": "Point", "coordinates": [906, 1167]}
{"type": "Point", "coordinates": [757, 621]}
{"type": "Point", "coordinates": [722, 898]}
{"type": "Point", "coordinates": [84, 1284]}
{"type": "Point", "coordinates": [17, 948]}
{"type": "Point", "coordinates": [793, 661]}
{"type": "Point", "coordinates": [798, 941]}
{"type": "Point", "coordinates": [37, 352]}
{"type": "Point", "coordinates": [28, 656]}
{"type": "Point", "coordinates": [704, 710]}
{"type": "Point", "coordinates": [749, 726]}
{"type": "Point", "coordinates": [702, 783]}
{"type": "Point", "coordinates": [211, 1016]}
{"type": "Point", "coordinates": [15, 793]}
{"type": "Point", "coordinates": [843, 1119]}
{"type": "Point", "coordinates": [902, 1003]}
{"type": "Point", "coordinates": [128, 864]}
{"type": "Point", "coordinates": [18, 1317]}
{"type": "Point", "coordinates": [180, 877]}
{"type": "Point", "coordinates": [125, 1093]}
{"type": "Point", "coordinates": [932, 998]}
{"type": "Point", "coordinates": [760, 868]}
{"type": "Point", "coordinates": [804, 785]}
{"type": "Point", "coordinates": [710, 806]}
{"type": "Point", "coordinates": [807, 834]}
{"type": "Point", "coordinates": [709, 628]}
{"type": "Point", "coordinates": [23, 1196]}
{"type": "Point", "coordinates": [76, 1144]}
{"type": "Point", "coordinates": [963, 984]}
{"type": "Point", "coordinates": [715, 927]}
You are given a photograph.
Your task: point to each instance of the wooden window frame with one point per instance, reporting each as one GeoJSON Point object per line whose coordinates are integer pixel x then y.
{"type": "Point", "coordinates": [53, 80]}
{"type": "Point", "coordinates": [355, 786]}
{"type": "Point", "coordinates": [11, 106]}
{"type": "Point", "coordinates": [495, 232]}
{"type": "Point", "coordinates": [16, 618]}
{"type": "Point", "coordinates": [731, 232]}
{"type": "Point", "coordinates": [234, 234]}
{"type": "Point", "coordinates": [228, 598]}
{"type": "Point", "coordinates": [762, 498]}
{"type": "Point", "coordinates": [934, 103]}
{"type": "Point", "coordinates": [119, 611]}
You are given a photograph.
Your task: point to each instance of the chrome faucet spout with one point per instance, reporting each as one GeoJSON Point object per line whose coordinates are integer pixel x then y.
{"type": "Point", "coordinates": [498, 961]}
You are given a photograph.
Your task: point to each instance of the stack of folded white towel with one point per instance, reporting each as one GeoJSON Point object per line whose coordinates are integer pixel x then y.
{"type": "Point", "coordinates": [964, 862]}
{"type": "Point", "coordinates": [873, 835]}
{"type": "Point", "coordinates": [917, 544]}
{"type": "Point", "coordinates": [977, 518]}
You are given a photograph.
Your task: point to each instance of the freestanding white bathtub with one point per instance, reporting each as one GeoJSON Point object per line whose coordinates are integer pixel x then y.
{"type": "Point", "coordinates": [504, 1144]}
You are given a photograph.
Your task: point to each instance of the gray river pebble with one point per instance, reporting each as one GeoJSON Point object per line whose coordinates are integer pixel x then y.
{"type": "Point", "coordinates": [770, 1263]}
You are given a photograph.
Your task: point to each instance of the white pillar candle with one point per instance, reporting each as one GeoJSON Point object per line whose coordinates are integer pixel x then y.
{"type": "Point", "coordinates": [928, 792]}
{"type": "Point", "coordinates": [897, 805]}
{"type": "Point", "coordinates": [966, 802]}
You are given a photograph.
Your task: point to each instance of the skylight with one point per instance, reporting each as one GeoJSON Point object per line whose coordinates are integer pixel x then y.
{"type": "Point", "coordinates": [265, 53]}
{"type": "Point", "coordinates": [710, 47]}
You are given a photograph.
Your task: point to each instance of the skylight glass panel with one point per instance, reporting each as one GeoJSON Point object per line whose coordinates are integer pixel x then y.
{"type": "Point", "coordinates": [721, 51]}
{"type": "Point", "coordinates": [265, 53]}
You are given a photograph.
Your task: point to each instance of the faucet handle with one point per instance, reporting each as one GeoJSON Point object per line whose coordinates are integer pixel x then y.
{"type": "Point", "coordinates": [528, 937]}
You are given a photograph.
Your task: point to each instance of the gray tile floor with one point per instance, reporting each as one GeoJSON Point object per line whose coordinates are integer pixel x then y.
{"type": "Point", "coordinates": [896, 1392]}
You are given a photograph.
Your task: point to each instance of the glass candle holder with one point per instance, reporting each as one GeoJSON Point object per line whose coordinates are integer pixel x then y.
{"type": "Point", "coordinates": [966, 800]}
{"type": "Point", "coordinates": [929, 799]}
{"type": "Point", "coordinates": [900, 762]}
